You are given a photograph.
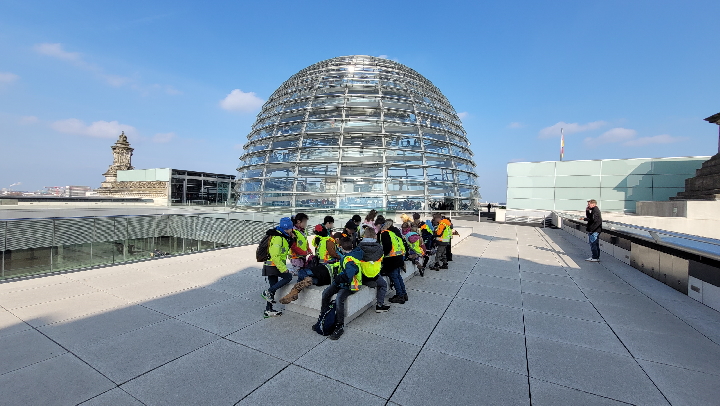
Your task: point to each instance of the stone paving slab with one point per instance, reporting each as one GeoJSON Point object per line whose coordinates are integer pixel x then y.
{"type": "Point", "coordinates": [518, 316]}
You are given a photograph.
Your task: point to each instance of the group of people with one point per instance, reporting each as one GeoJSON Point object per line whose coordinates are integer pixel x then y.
{"type": "Point", "coordinates": [361, 253]}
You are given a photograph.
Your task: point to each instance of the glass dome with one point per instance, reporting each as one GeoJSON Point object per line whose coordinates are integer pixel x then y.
{"type": "Point", "coordinates": [358, 132]}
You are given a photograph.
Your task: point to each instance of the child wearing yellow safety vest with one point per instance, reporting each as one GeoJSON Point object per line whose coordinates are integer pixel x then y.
{"type": "Point", "coordinates": [442, 234]}
{"type": "Point", "coordinates": [275, 267]}
{"type": "Point", "coordinates": [370, 266]}
{"type": "Point", "coordinates": [343, 285]}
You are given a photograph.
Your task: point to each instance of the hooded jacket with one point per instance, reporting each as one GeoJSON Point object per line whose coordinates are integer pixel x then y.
{"type": "Point", "coordinates": [278, 249]}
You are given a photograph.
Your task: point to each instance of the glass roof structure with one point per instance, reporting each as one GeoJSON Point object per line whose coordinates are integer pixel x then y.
{"type": "Point", "coordinates": [358, 132]}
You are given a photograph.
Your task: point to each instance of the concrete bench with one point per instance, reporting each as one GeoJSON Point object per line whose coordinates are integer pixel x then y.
{"type": "Point", "coordinates": [310, 299]}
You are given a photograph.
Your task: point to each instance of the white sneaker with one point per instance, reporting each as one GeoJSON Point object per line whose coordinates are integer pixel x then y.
{"type": "Point", "coordinates": [594, 260]}
{"type": "Point", "coordinates": [589, 259]}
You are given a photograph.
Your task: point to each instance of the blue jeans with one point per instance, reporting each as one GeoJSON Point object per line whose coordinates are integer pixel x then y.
{"type": "Point", "coordinates": [304, 273]}
{"type": "Point", "coordinates": [342, 295]}
{"type": "Point", "coordinates": [275, 284]}
{"type": "Point", "coordinates": [594, 241]}
{"type": "Point", "coordinates": [397, 280]}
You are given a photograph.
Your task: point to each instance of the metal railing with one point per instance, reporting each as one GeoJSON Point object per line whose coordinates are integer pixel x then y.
{"type": "Point", "coordinates": [703, 246]}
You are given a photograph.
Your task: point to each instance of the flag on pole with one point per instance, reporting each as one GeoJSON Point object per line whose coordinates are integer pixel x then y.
{"type": "Point", "coordinates": [562, 144]}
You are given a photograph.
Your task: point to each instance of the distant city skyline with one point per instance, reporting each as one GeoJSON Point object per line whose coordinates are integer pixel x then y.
{"type": "Point", "coordinates": [185, 80]}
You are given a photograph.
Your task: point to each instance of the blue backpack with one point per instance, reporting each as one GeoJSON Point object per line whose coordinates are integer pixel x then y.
{"type": "Point", "coordinates": [326, 322]}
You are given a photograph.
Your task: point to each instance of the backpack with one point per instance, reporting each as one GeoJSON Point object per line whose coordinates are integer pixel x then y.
{"type": "Point", "coordinates": [326, 322]}
{"type": "Point", "coordinates": [312, 261]}
{"type": "Point", "coordinates": [262, 253]}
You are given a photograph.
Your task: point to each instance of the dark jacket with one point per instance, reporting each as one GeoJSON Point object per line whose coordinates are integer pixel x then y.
{"type": "Point", "coordinates": [594, 220]}
{"type": "Point", "coordinates": [390, 263]}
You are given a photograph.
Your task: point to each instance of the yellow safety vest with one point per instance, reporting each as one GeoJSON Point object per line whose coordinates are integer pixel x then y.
{"type": "Point", "coordinates": [398, 248]}
{"type": "Point", "coordinates": [357, 279]}
{"type": "Point", "coordinates": [446, 233]}
{"type": "Point", "coordinates": [321, 249]}
{"type": "Point", "coordinates": [371, 269]}
{"type": "Point", "coordinates": [301, 242]}
{"type": "Point", "coordinates": [284, 247]}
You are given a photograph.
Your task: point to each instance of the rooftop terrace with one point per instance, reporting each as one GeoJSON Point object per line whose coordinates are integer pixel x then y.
{"type": "Point", "coordinates": [519, 318]}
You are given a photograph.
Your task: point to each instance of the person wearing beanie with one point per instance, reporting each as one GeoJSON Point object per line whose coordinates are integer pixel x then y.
{"type": "Point", "coordinates": [275, 267]}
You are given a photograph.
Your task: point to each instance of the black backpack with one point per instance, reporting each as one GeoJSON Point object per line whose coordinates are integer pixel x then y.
{"type": "Point", "coordinates": [326, 322]}
{"type": "Point", "coordinates": [262, 253]}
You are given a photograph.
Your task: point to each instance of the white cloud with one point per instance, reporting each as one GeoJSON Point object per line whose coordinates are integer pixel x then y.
{"type": "Point", "coordinates": [612, 136]}
{"type": "Point", "coordinates": [240, 101]}
{"type": "Point", "coordinates": [657, 139]}
{"type": "Point", "coordinates": [516, 124]}
{"type": "Point", "coordinates": [162, 138]}
{"type": "Point", "coordinates": [28, 120]}
{"type": "Point", "coordinates": [569, 128]}
{"type": "Point", "coordinates": [463, 115]}
{"type": "Point", "coordinates": [98, 129]}
{"type": "Point", "coordinates": [56, 51]}
{"type": "Point", "coordinates": [7, 78]}
{"type": "Point", "coordinates": [383, 56]}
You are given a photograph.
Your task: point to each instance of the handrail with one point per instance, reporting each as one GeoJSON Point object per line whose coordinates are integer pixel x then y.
{"type": "Point", "coordinates": [711, 249]}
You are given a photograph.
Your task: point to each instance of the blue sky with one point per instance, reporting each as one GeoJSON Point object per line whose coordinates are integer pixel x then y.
{"type": "Point", "coordinates": [624, 78]}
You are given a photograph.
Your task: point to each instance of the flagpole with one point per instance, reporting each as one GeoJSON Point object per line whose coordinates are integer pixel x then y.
{"type": "Point", "coordinates": [562, 144]}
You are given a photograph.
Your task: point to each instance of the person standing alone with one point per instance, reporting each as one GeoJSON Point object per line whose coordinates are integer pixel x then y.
{"type": "Point", "coordinates": [594, 228]}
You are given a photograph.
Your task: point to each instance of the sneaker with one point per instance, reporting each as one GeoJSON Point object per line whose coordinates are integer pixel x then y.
{"type": "Point", "coordinates": [589, 259]}
{"type": "Point", "coordinates": [444, 266]}
{"type": "Point", "coordinates": [421, 270]}
{"type": "Point", "coordinates": [269, 297]}
{"type": "Point", "coordinates": [381, 308]}
{"type": "Point", "coordinates": [397, 299]}
{"type": "Point", "coordinates": [271, 313]}
{"type": "Point", "coordinates": [337, 333]}
{"type": "Point", "coordinates": [594, 260]}
{"type": "Point", "coordinates": [405, 296]}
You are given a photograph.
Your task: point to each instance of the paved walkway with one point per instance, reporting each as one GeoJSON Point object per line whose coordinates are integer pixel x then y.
{"type": "Point", "coordinates": [519, 318]}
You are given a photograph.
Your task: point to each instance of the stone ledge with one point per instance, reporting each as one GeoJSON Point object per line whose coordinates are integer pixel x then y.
{"type": "Point", "coordinates": [310, 298]}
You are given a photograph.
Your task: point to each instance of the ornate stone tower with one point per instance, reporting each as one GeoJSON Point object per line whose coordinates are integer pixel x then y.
{"type": "Point", "coordinates": [122, 157]}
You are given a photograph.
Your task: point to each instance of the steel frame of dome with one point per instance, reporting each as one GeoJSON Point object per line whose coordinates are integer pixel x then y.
{"type": "Point", "coordinates": [358, 132]}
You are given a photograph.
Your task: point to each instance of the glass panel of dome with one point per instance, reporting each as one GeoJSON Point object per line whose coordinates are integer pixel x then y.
{"type": "Point", "coordinates": [259, 146]}
{"type": "Point", "coordinates": [408, 203]}
{"type": "Point", "coordinates": [434, 173]}
{"type": "Point", "coordinates": [463, 166]}
{"type": "Point", "coordinates": [332, 114]}
{"type": "Point", "coordinates": [363, 101]}
{"type": "Point", "coordinates": [360, 140]}
{"type": "Point", "coordinates": [357, 202]}
{"type": "Point", "coordinates": [399, 185]}
{"type": "Point", "coordinates": [322, 126]}
{"type": "Point", "coordinates": [440, 187]}
{"type": "Point", "coordinates": [328, 101]}
{"type": "Point", "coordinates": [363, 171]}
{"type": "Point", "coordinates": [436, 136]}
{"type": "Point", "coordinates": [322, 141]}
{"type": "Point", "coordinates": [318, 170]}
{"type": "Point", "coordinates": [355, 186]}
{"type": "Point", "coordinates": [466, 178]}
{"type": "Point", "coordinates": [315, 185]}
{"type": "Point", "coordinates": [283, 156]}
{"type": "Point", "coordinates": [290, 129]}
{"type": "Point", "coordinates": [253, 186]}
{"type": "Point", "coordinates": [275, 172]}
{"type": "Point", "coordinates": [324, 202]}
{"type": "Point", "coordinates": [437, 147]}
{"type": "Point", "coordinates": [249, 199]}
{"type": "Point", "coordinates": [406, 173]}
{"type": "Point", "coordinates": [291, 143]}
{"type": "Point", "coordinates": [438, 161]}
{"type": "Point", "coordinates": [279, 184]}
{"type": "Point", "coordinates": [402, 116]}
{"type": "Point", "coordinates": [362, 154]}
{"type": "Point", "coordinates": [251, 173]}
{"type": "Point", "coordinates": [319, 154]}
{"type": "Point", "coordinates": [355, 113]}
{"type": "Point", "coordinates": [277, 199]}
{"type": "Point", "coordinates": [403, 142]}
{"type": "Point", "coordinates": [255, 159]}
